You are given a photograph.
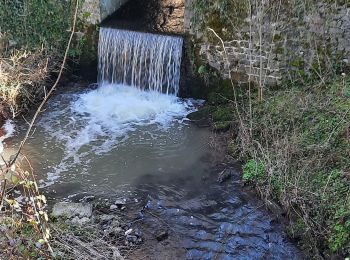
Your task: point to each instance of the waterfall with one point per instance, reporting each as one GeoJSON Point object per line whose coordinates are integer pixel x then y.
{"type": "Point", "coordinates": [143, 60]}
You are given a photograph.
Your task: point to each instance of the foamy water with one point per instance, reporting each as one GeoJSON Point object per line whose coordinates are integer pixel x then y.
{"type": "Point", "coordinates": [138, 81]}
{"type": "Point", "coordinates": [119, 107]}
{"type": "Point", "coordinates": [9, 129]}
{"type": "Point", "coordinates": [100, 120]}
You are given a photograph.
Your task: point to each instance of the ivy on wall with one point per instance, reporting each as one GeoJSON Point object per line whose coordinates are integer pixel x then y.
{"type": "Point", "coordinates": [32, 24]}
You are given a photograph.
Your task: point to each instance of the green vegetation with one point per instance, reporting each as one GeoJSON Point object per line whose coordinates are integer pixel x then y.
{"type": "Point", "coordinates": [33, 37]}
{"type": "Point", "coordinates": [33, 23]}
{"type": "Point", "coordinates": [253, 172]}
{"type": "Point", "coordinates": [296, 149]}
{"type": "Point", "coordinates": [298, 155]}
{"type": "Point", "coordinates": [24, 231]}
{"type": "Point", "coordinates": [20, 241]}
{"type": "Point", "coordinates": [294, 139]}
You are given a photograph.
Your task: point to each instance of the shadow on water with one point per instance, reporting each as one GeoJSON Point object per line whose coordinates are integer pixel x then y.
{"type": "Point", "coordinates": [206, 219]}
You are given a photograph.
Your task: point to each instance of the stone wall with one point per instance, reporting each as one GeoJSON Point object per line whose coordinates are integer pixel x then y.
{"type": "Point", "coordinates": [290, 45]}
{"type": "Point", "coordinates": [171, 16]}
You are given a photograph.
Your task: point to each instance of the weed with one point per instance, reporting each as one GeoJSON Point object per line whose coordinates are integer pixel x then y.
{"type": "Point", "coordinates": [253, 171]}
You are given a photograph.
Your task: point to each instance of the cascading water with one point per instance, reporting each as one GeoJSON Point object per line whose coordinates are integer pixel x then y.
{"type": "Point", "coordinates": [138, 80]}
{"type": "Point", "coordinates": [128, 139]}
{"type": "Point", "coordinates": [143, 60]}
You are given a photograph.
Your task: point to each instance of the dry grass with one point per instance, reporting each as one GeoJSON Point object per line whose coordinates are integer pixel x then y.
{"type": "Point", "coordinates": [22, 78]}
{"type": "Point", "coordinates": [87, 242]}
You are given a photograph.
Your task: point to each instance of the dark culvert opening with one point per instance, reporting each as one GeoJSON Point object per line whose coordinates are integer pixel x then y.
{"type": "Point", "coordinates": [135, 15]}
{"type": "Point", "coordinates": [154, 16]}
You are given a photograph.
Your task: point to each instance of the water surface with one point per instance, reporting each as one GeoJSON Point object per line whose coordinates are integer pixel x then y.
{"type": "Point", "coordinates": [120, 142]}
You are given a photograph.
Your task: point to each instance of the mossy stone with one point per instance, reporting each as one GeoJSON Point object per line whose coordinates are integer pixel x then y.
{"type": "Point", "coordinates": [201, 118]}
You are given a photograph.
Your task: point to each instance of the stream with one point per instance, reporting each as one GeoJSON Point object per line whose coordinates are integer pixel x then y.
{"type": "Point", "coordinates": [128, 139]}
{"type": "Point", "coordinates": [120, 142]}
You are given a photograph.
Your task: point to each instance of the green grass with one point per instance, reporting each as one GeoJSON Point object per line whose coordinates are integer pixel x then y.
{"type": "Point", "coordinates": [299, 156]}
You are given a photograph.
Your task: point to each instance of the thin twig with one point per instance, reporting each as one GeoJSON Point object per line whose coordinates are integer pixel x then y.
{"type": "Point", "coordinates": [230, 77]}
{"type": "Point", "coordinates": [51, 90]}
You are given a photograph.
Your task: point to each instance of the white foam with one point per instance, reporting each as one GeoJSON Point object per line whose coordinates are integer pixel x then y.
{"type": "Point", "coordinates": [115, 110]}
{"type": "Point", "coordinates": [102, 119]}
{"type": "Point", "coordinates": [118, 106]}
{"type": "Point", "coordinates": [9, 129]}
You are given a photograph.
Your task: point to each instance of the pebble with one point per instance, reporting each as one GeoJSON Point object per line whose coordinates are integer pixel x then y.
{"type": "Point", "coordinates": [120, 202]}
{"type": "Point", "coordinates": [113, 207]}
{"type": "Point", "coordinates": [131, 238]}
{"type": "Point", "coordinates": [128, 232]}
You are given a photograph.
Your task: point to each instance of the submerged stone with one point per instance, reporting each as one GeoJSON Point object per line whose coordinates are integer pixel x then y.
{"type": "Point", "coordinates": [201, 118]}
{"type": "Point", "coordinates": [79, 221]}
{"type": "Point", "coordinates": [70, 210]}
{"type": "Point", "coordinates": [162, 235]}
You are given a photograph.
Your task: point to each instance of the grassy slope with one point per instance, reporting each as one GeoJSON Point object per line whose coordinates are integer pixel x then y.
{"type": "Point", "coordinates": [296, 149]}
{"type": "Point", "coordinates": [299, 156]}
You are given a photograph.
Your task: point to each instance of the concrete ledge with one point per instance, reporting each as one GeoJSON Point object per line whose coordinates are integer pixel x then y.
{"type": "Point", "coordinates": [95, 11]}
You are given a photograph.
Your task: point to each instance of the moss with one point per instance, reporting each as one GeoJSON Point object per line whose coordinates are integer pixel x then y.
{"type": "Point", "coordinates": [277, 38]}
{"type": "Point", "coordinates": [215, 22]}
{"type": "Point", "coordinates": [222, 114]}
{"type": "Point", "coordinates": [202, 113]}
{"type": "Point", "coordinates": [222, 93]}
{"type": "Point", "coordinates": [201, 117]}
{"type": "Point", "coordinates": [279, 50]}
{"type": "Point", "coordinates": [90, 43]}
{"type": "Point", "coordinates": [222, 126]}
{"type": "Point", "coordinates": [297, 62]}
